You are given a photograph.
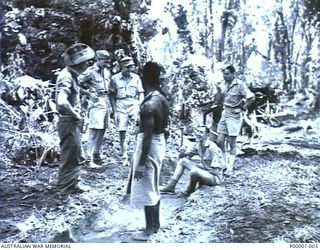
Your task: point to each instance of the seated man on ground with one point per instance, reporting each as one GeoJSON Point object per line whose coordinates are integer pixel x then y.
{"type": "Point", "coordinates": [208, 170]}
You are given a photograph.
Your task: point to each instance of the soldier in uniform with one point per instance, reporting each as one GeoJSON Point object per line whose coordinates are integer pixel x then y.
{"type": "Point", "coordinates": [203, 159]}
{"type": "Point", "coordinates": [96, 80]}
{"type": "Point", "coordinates": [77, 58]}
{"type": "Point", "coordinates": [237, 99]}
{"type": "Point", "coordinates": [127, 93]}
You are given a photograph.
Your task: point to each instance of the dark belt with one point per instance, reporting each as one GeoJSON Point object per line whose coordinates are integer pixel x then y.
{"type": "Point", "coordinates": [232, 107]}
{"type": "Point", "coordinates": [237, 105]}
{"type": "Point", "coordinates": [68, 117]}
{"type": "Point", "coordinates": [102, 92]}
{"type": "Point", "coordinates": [133, 97]}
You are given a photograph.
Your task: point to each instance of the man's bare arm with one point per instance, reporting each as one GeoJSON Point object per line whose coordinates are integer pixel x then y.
{"type": "Point", "coordinates": [63, 102]}
{"type": "Point", "coordinates": [248, 103]}
{"type": "Point", "coordinates": [146, 127]}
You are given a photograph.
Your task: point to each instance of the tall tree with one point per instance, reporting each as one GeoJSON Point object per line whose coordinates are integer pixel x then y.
{"type": "Point", "coordinates": [228, 21]}
{"type": "Point", "coordinates": [281, 46]}
{"type": "Point", "coordinates": [311, 30]}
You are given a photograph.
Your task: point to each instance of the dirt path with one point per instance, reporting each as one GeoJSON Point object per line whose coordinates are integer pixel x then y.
{"type": "Point", "coordinates": [269, 199]}
{"type": "Point", "coordinates": [126, 220]}
{"type": "Point", "coordinates": [273, 197]}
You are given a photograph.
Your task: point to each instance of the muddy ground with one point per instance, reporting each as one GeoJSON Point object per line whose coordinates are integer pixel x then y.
{"type": "Point", "coordinates": [274, 196]}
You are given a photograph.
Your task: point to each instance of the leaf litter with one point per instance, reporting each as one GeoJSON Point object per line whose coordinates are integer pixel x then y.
{"type": "Point", "coordinates": [272, 197]}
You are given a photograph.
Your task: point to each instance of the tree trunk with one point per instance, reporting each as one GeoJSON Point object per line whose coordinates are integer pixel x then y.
{"type": "Point", "coordinates": [305, 67]}
{"type": "Point", "coordinates": [211, 33]}
{"type": "Point", "coordinates": [224, 24]}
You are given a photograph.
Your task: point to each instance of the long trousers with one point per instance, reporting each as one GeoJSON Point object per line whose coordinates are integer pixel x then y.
{"type": "Point", "coordinates": [69, 131]}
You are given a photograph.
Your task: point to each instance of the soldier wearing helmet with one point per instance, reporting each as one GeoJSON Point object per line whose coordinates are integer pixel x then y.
{"type": "Point", "coordinates": [96, 79]}
{"type": "Point", "coordinates": [77, 58]}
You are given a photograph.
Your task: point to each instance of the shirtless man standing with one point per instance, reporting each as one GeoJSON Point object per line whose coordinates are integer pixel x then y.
{"type": "Point", "coordinates": [150, 151]}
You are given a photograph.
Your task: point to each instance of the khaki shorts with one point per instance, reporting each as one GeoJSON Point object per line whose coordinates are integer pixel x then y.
{"type": "Point", "coordinates": [206, 177]}
{"type": "Point", "coordinates": [230, 123]}
{"type": "Point", "coordinates": [123, 119]}
{"type": "Point", "coordinates": [126, 111]}
{"type": "Point", "coordinates": [98, 118]}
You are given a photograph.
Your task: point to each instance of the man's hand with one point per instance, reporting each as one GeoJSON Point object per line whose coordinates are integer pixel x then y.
{"type": "Point", "coordinates": [112, 115]}
{"type": "Point", "coordinates": [182, 155]}
{"type": "Point", "coordinates": [138, 175]}
{"type": "Point", "coordinates": [183, 152]}
{"type": "Point", "coordinates": [248, 103]}
{"type": "Point", "coordinates": [102, 91]}
{"type": "Point", "coordinates": [77, 116]}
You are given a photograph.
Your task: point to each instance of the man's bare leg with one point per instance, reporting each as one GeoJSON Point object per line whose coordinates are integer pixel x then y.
{"type": "Point", "coordinates": [93, 133]}
{"type": "Point", "coordinates": [182, 164]}
{"type": "Point", "coordinates": [122, 135]}
{"type": "Point", "coordinates": [221, 142]}
{"type": "Point", "coordinates": [233, 147]}
{"type": "Point", "coordinates": [200, 176]}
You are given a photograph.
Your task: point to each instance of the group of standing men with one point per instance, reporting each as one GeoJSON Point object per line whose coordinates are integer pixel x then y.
{"type": "Point", "coordinates": [116, 96]}
{"type": "Point", "coordinates": [86, 76]}
{"type": "Point", "coordinates": [123, 96]}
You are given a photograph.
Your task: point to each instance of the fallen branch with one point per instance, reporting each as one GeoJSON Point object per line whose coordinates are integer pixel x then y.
{"type": "Point", "coordinates": [302, 144]}
{"type": "Point", "coordinates": [280, 114]}
{"type": "Point", "coordinates": [42, 158]}
{"type": "Point", "coordinates": [15, 131]}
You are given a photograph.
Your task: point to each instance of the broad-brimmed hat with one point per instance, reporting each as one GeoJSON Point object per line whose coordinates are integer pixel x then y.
{"type": "Point", "coordinates": [78, 53]}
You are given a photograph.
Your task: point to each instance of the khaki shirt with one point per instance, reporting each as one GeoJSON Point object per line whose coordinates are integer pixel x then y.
{"type": "Point", "coordinates": [126, 87]}
{"type": "Point", "coordinates": [235, 93]}
{"type": "Point", "coordinates": [98, 82]}
{"type": "Point", "coordinates": [68, 84]}
{"type": "Point", "coordinates": [208, 151]}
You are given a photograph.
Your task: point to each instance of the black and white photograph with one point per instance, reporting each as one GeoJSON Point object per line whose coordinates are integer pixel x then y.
{"type": "Point", "coordinates": [159, 121]}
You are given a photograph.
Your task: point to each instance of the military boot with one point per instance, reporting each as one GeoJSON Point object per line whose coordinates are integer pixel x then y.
{"type": "Point", "coordinates": [96, 159]}
{"type": "Point", "coordinates": [194, 180]}
{"type": "Point", "coordinates": [170, 187]}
